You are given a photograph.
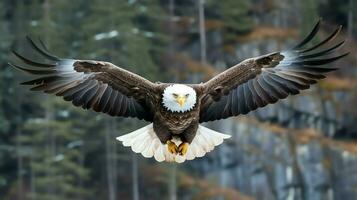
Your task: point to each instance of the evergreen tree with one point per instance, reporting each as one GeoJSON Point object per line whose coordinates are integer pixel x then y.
{"type": "Point", "coordinates": [6, 147]}
{"type": "Point", "coordinates": [311, 16]}
{"type": "Point", "coordinates": [54, 144]}
{"type": "Point", "coordinates": [124, 38]}
{"type": "Point", "coordinates": [234, 16]}
{"type": "Point", "coordinates": [118, 36]}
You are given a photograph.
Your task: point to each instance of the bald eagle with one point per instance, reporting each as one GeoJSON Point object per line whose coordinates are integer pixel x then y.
{"type": "Point", "coordinates": [175, 111]}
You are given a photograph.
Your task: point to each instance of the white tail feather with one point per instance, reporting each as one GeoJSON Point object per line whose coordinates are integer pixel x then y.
{"type": "Point", "coordinates": [145, 141]}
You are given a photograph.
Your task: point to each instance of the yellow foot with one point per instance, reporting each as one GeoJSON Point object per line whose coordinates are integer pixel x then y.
{"type": "Point", "coordinates": [171, 146]}
{"type": "Point", "coordinates": [182, 149]}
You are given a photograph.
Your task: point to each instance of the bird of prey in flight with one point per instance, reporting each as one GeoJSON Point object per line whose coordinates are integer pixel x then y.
{"type": "Point", "coordinates": [174, 110]}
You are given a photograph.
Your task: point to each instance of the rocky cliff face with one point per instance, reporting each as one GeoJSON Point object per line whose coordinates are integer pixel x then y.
{"type": "Point", "coordinates": [266, 161]}
{"type": "Point", "coordinates": [289, 150]}
{"type": "Point", "coordinates": [330, 111]}
{"type": "Point", "coordinates": [303, 147]}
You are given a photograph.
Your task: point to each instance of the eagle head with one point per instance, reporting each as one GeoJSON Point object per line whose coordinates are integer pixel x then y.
{"type": "Point", "coordinates": [179, 98]}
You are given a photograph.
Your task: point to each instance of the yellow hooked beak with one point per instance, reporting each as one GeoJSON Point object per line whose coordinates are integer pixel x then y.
{"type": "Point", "coordinates": [181, 100]}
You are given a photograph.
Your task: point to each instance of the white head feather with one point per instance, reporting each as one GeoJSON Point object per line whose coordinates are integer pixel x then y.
{"type": "Point", "coordinates": [169, 101]}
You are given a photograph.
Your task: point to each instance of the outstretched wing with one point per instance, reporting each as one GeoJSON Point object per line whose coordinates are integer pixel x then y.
{"type": "Point", "coordinates": [100, 86]}
{"type": "Point", "coordinates": [259, 81]}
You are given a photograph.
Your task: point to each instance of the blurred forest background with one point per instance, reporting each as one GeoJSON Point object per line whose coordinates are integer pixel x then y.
{"type": "Point", "coordinates": [303, 147]}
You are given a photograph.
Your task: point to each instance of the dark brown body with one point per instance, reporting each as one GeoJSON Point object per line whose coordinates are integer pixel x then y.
{"type": "Point", "coordinates": [183, 125]}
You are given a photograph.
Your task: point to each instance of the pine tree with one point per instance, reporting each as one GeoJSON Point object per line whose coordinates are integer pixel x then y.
{"type": "Point", "coordinates": [4, 46]}
{"type": "Point", "coordinates": [310, 17]}
{"type": "Point", "coordinates": [234, 16]}
{"type": "Point", "coordinates": [122, 33]}
{"type": "Point", "coordinates": [6, 146]}
{"type": "Point", "coordinates": [54, 144]}
{"type": "Point", "coordinates": [118, 37]}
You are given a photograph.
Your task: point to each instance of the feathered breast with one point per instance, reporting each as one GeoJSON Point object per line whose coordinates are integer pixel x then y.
{"type": "Point", "coordinates": [176, 122]}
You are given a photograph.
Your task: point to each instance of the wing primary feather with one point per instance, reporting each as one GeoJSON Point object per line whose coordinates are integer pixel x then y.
{"type": "Point", "coordinates": [248, 97]}
{"type": "Point", "coordinates": [78, 97]}
{"type": "Point", "coordinates": [133, 108]}
{"type": "Point", "coordinates": [268, 90]}
{"type": "Point", "coordinates": [301, 78]}
{"type": "Point", "coordinates": [243, 106]}
{"type": "Point", "coordinates": [68, 95]}
{"type": "Point", "coordinates": [218, 111]}
{"type": "Point", "coordinates": [227, 106]}
{"type": "Point", "coordinates": [307, 74]}
{"type": "Point", "coordinates": [278, 87]}
{"type": "Point", "coordinates": [272, 90]}
{"type": "Point", "coordinates": [129, 108]}
{"type": "Point", "coordinates": [33, 71]}
{"type": "Point", "coordinates": [235, 105]}
{"type": "Point", "coordinates": [105, 98]}
{"type": "Point", "coordinates": [310, 36]}
{"type": "Point", "coordinates": [322, 53]}
{"type": "Point", "coordinates": [118, 103]}
{"type": "Point", "coordinates": [89, 95]}
{"type": "Point", "coordinates": [293, 89]}
{"type": "Point", "coordinates": [44, 47]}
{"type": "Point", "coordinates": [313, 69]}
{"type": "Point", "coordinates": [110, 110]}
{"type": "Point", "coordinates": [124, 106]}
{"type": "Point", "coordinates": [60, 88]}
{"type": "Point", "coordinates": [33, 63]}
{"type": "Point", "coordinates": [298, 81]}
{"type": "Point", "coordinates": [320, 61]}
{"type": "Point", "coordinates": [56, 86]}
{"type": "Point", "coordinates": [328, 39]}
{"type": "Point", "coordinates": [110, 102]}
{"type": "Point", "coordinates": [95, 101]}
{"type": "Point", "coordinates": [261, 92]}
{"type": "Point", "coordinates": [41, 51]}
{"type": "Point", "coordinates": [258, 101]}
{"type": "Point", "coordinates": [41, 80]}
{"type": "Point", "coordinates": [62, 83]}
{"type": "Point", "coordinates": [279, 91]}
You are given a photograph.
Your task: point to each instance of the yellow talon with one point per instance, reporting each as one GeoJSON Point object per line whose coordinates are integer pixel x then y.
{"type": "Point", "coordinates": [171, 146]}
{"type": "Point", "coordinates": [183, 148]}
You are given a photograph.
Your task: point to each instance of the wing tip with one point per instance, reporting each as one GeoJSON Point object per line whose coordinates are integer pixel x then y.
{"type": "Point", "coordinates": [17, 67]}
{"type": "Point", "coordinates": [43, 51]}
{"type": "Point", "coordinates": [318, 23]}
{"type": "Point", "coordinates": [343, 55]}
{"type": "Point", "coordinates": [313, 33]}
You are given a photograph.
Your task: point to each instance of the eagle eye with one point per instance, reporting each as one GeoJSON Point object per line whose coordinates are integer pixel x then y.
{"type": "Point", "coordinates": [187, 95]}
{"type": "Point", "coordinates": [175, 95]}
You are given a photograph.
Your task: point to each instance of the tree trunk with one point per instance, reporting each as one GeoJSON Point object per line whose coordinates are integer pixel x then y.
{"type": "Point", "coordinates": [51, 138]}
{"type": "Point", "coordinates": [20, 168]}
{"type": "Point", "coordinates": [114, 156]}
{"type": "Point", "coordinates": [172, 36]}
{"type": "Point", "coordinates": [173, 184]}
{"type": "Point", "coordinates": [171, 26]}
{"type": "Point", "coordinates": [110, 160]}
{"type": "Point", "coordinates": [32, 179]}
{"type": "Point", "coordinates": [109, 138]}
{"type": "Point", "coordinates": [135, 177]}
{"type": "Point", "coordinates": [202, 30]}
{"type": "Point", "coordinates": [350, 19]}
{"type": "Point", "coordinates": [173, 169]}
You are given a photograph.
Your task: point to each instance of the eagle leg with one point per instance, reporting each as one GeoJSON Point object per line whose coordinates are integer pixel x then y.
{"type": "Point", "coordinates": [171, 146]}
{"type": "Point", "coordinates": [183, 148]}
